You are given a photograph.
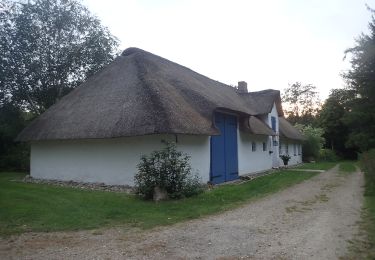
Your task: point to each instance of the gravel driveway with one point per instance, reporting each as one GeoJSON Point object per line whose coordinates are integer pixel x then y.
{"type": "Point", "coordinates": [311, 220]}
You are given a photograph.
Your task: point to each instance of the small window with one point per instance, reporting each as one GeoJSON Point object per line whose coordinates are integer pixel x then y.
{"type": "Point", "coordinates": [295, 149]}
{"type": "Point", "coordinates": [253, 146]}
{"type": "Point", "coordinates": [299, 149]}
{"type": "Point", "coordinates": [286, 148]}
{"type": "Point", "coordinates": [264, 146]}
{"type": "Point", "coordinates": [273, 123]}
{"type": "Point", "coordinates": [280, 150]}
{"type": "Point", "coordinates": [274, 141]}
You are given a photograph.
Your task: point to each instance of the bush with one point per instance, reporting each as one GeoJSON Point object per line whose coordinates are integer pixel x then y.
{"type": "Point", "coordinates": [313, 143]}
{"type": "Point", "coordinates": [367, 162]}
{"type": "Point", "coordinates": [328, 155]}
{"type": "Point", "coordinates": [13, 156]}
{"type": "Point", "coordinates": [168, 170]}
{"type": "Point", "coordinates": [17, 158]}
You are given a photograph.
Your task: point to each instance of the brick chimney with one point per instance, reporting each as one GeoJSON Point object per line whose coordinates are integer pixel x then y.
{"type": "Point", "coordinates": [242, 87]}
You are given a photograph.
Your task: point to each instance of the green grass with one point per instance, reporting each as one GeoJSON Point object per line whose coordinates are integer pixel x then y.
{"type": "Point", "coordinates": [347, 166]}
{"type": "Point", "coordinates": [363, 245]}
{"type": "Point", "coordinates": [39, 207]}
{"type": "Point", "coordinates": [369, 223]}
{"type": "Point", "coordinates": [367, 162]}
{"type": "Point", "coordinates": [317, 166]}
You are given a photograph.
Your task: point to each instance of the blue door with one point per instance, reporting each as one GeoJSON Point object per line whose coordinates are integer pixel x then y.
{"type": "Point", "coordinates": [224, 160]}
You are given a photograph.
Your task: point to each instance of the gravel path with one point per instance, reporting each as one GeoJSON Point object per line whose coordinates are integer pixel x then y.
{"type": "Point", "coordinates": [311, 220]}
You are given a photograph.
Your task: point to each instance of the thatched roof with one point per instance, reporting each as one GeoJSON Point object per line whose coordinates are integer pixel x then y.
{"type": "Point", "coordinates": [288, 131]}
{"type": "Point", "coordinates": [255, 126]}
{"type": "Point", "coordinates": [262, 101]}
{"type": "Point", "coordinates": [140, 93]}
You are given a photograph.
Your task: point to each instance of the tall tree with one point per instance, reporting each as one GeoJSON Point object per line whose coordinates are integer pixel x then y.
{"type": "Point", "coordinates": [330, 119]}
{"type": "Point", "coordinates": [301, 103]}
{"type": "Point", "coordinates": [47, 48]}
{"type": "Point", "coordinates": [361, 82]}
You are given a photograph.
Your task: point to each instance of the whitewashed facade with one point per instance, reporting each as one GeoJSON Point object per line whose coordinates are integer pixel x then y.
{"type": "Point", "coordinates": [293, 149]}
{"type": "Point", "coordinates": [114, 161]}
{"type": "Point", "coordinates": [110, 161]}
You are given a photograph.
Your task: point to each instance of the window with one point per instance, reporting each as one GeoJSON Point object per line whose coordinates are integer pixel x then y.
{"type": "Point", "coordinates": [286, 148]}
{"type": "Point", "coordinates": [274, 141]}
{"type": "Point", "coordinates": [264, 146]}
{"type": "Point", "coordinates": [280, 150]}
{"type": "Point", "coordinates": [273, 123]}
{"type": "Point", "coordinates": [253, 146]}
{"type": "Point", "coordinates": [299, 149]}
{"type": "Point", "coordinates": [294, 149]}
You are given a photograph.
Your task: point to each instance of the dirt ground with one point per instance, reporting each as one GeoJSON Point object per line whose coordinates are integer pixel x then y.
{"type": "Point", "coordinates": [311, 220]}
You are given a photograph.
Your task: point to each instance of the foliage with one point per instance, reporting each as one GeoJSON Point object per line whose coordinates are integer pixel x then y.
{"type": "Point", "coordinates": [47, 48]}
{"type": "Point", "coordinates": [328, 155]}
{"type": "Point", "coordinates": [21, 209]}
{"type": "Point", "coordinates": [301, 103]}
{"type": "Point", "coordinates": [313, 143]}
{"type": "Point", "coordinates": [360, 79]}
{"type": "Point", "coordinates": [332, 120]}
{"type": "Point", "coordinates": [12, 156]}
{"type": "Point", "coordinates": [348, 115]}
{"type": "Point", "coordinates": [285, 158]}
{"type": "Point", "coordinates": [367, 162]}
{"type": "Point", "coordinates": [169, 170]}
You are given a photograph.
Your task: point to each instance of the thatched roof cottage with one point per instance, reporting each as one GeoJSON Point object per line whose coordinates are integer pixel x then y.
{"type": "Point", "coordinates": [98, 132]}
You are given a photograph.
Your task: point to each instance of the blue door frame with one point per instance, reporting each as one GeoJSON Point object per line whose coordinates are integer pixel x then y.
{"type": "Point", "coordinates": [224, 157]}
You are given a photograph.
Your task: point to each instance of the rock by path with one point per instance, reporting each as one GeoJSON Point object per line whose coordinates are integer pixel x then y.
{"type": "Point", "coordinates": [311, 220]}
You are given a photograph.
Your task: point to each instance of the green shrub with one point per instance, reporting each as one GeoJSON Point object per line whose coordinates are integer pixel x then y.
{"type": "Point", "coordinates": [367, 162]}
{"type": "Point", "coordinates": [328, 155]}
{"type": "Point", "coordinates": [313, 143]}
{"type": "Point", "coordinates": [169, 170]}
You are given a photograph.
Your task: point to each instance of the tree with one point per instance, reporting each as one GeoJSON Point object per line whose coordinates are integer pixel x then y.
{"type": "Point", "coordinates": [330, 119]}
{"type": "Point", "coordinates": [313, 143]}
{"type": "Point", "coordinates": [12, 121]}
{"type": "Point", "coordinates": [302, 103]}
{"type": "Point", "coordinates": [48, 47]}
{"type": "Point", "coordinates": [361, 83]}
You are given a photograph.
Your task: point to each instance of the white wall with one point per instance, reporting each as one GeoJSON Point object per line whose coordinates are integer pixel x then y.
{"type": "Point", "coordinates": [111, 161]}
{"type": "Point", "coordinates": [294, 158]}
{"type": "Point", "coordinates": [267, 119]}
{"type": "Point", "coordinates": [253, 161]}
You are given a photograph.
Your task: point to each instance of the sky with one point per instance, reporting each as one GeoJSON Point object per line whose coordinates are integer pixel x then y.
{"type": "Point", "coordinates": [268, 44]}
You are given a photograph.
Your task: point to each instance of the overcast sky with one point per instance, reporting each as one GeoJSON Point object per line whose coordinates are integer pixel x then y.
{"type": "Point", "coordinates": [268, 44]}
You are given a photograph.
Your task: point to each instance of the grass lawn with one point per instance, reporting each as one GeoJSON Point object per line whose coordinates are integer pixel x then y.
{"type": "Point", "coordinates": [39, 207]}
{"type": "Point", "coordinates": [347, 166]}
{"type": "Point", "coordinates": [363, 246]}
{"type": "Point", "coordinates": [368, 166]}
{"type": "Point", "coordinates": [369, 223]}
{"type": "Point", "coordinates": [317, 166]}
